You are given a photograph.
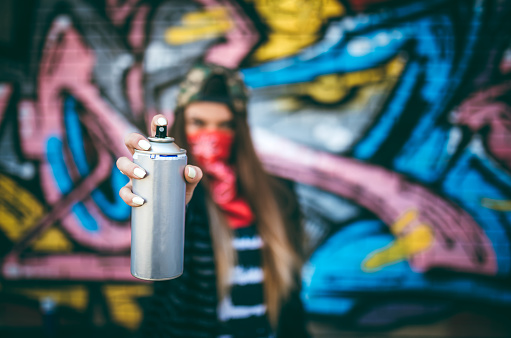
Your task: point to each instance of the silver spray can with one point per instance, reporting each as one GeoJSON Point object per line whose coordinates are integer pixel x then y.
{"type": "Point", "coordinates": [157, 227]}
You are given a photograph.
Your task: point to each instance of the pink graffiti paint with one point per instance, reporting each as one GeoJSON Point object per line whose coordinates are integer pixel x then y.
{"type": "Point", "coordinates": [71, 72]}
{"type": "Point", "coordinates": [120, 10]}
{"type": "Point", "coordinates": [150, 113]}
{"type": "Point", "coordinates": [30, 138]}
{"type": "Point", "coordinates": [136, 35]}
{"type": "Point", "coordinates": [83, 267]}
{"type": "Point", "coordinates": [111, 237]}
{"type": "Point", "coordinates": [134, 90]}
{"type": "Point", "coordinates": [459, 243]}
{"type": "Point", "coordinates": [239, 40]}
{"type": "Point", "coordinates": [67, 66]}
{"type": "Point", "coordinates": [484, 110]}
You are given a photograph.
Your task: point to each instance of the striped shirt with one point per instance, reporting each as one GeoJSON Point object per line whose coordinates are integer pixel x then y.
{"type": "Point", "coordinates": [243, 312]}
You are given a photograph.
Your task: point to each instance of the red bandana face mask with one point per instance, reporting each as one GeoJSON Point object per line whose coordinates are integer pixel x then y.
{"type": "Point", "coordinates": [212, 150]}
{"type": "Point", "coordinates": [211, 146]}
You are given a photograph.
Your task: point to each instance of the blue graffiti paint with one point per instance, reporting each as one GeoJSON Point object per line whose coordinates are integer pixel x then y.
{"type": "Point", "coordinates": [447, 83]}
{"type": "Point", "coordinates": [431, 64]}
{"type": "Point", "coordinates": [74, 136]}
{"type": "Point", "coordinates": [55, 156]}
{"type": "Point", "coordinates": [426, 60]}
{"type": "Point", "coordinates": [467, 184]}
{"type": "Point", "coordinates": [333, 277]}
{"type": "Point", "coordinates": [377, 135]}
{"type": "Point", "coordinates": [116, 209]}
{"type": "Point", "coordinates": [331, 56]}
{"type": "Point", "coordinates": [436, 46]}
{"type": "Point", "coordinates": [366, 51]}
{"type": "Point", "coordinates": [429, 161]}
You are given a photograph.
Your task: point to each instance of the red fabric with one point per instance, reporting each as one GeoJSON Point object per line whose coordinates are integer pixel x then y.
{"type": "Point", "coordinates": [212, 150]}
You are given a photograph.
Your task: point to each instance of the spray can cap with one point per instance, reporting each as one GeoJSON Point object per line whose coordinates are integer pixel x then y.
{"type": "Point", "coordinates": [161, 132]}
{"type": "Point", "coordinates": [161, 144]}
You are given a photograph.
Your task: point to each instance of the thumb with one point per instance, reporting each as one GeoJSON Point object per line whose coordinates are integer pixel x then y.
{"type": "Point", "coordinates": [193, 175]}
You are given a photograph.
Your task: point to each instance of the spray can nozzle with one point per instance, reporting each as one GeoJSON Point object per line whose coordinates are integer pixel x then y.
{"type": "Point", "coordinates": [161, 132]}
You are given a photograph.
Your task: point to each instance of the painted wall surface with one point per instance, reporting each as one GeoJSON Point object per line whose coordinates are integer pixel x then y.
{"type": "Point", "coordinates": [392, 117]}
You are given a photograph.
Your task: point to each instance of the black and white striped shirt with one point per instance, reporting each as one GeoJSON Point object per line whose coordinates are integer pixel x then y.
{"type": "Point", "coordinates": [243, 312]}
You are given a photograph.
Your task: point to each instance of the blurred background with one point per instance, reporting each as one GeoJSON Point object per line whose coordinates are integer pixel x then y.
{"type": "Point", "coordinates": [392, 118]}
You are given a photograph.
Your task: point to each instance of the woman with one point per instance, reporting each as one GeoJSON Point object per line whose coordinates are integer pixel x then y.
{"type": "Point", "coordinates": [242, 243]}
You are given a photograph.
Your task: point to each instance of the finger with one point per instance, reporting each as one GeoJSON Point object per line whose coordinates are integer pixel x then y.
{"type": "Point", "coordinates": [129, 197]}
{"type": "Point", "coordinates": [158, 120]}
{"type": "Point", "coordinates": [193, 175]}
{"type": "Point", "coordinates": [136, 141]}
{"type": "Point", "coordinates": [130, 169]}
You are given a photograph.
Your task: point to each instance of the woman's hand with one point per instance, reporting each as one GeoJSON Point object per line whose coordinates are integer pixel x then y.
{"type": "Point", "coordinates": [134, 141]}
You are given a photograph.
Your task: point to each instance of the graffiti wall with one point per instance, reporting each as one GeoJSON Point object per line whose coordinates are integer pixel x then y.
{"type": "Point", "coordinates": [391, 117]}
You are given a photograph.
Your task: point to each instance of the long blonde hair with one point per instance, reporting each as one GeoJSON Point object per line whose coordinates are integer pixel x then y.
{"type": "Point", "coordinates": [272, 204]}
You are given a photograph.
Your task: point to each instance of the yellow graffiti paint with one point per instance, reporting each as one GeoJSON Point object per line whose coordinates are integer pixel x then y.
{"type": "Point", "coordinates": [333, 87]}
{"type": "Point", "coordinates": [499, 205]}
{"type": "Point", "coordinates": [75, 297]}
{"type": "Point", "coordinates": [373, 95]}
{"type": "Point", "coordinates": [121, 299]}
{"type": "Point", "coordinates": [196, 26]}
{"type": "Point", "coordinates": [293, 24]}
{"type": "Point", "coordinates": [19, 209]}
{"type": "Point", "coordinates": [395, 67]}
{"type": "Point", "coordinates": [52, 240]}
{"type": "Point", "coordinates": [403, 221]}
{"type": "Point", "coordinates": [406, 245]}
{"type": "Point", "coordinates": [327, 89]}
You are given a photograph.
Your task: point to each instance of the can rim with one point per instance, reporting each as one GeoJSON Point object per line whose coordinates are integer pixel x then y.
{"type": "Point", "coordinates": [182, 151]}
{"type": "Point", "coordinates": [161, 140]}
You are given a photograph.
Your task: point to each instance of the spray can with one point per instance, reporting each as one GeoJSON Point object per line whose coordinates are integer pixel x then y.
{"type": "Point", "coordinates": [157, 227]}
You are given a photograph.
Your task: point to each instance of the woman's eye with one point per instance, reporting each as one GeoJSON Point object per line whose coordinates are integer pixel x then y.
{"type": "Point", "coordinates": [198, 123]}
{"type": "Point", "coordinates": [227, 125]}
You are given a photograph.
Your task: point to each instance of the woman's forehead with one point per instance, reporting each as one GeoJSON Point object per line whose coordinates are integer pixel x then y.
{"type": "Point", "coordinates": [206, 110]}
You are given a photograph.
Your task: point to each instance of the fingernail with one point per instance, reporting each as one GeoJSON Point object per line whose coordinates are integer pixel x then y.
{"type": "Point", "coordinates": [144, 144]}
{"type": "Point", "coordinates": [138, 200]}
{"type": "Point", "coordinates": [139, 172]}
{"type": "Point", "coordinates": [191, 172]}
{"type": "Point", "coordinates": [162, 121]}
